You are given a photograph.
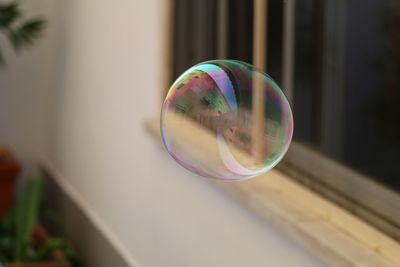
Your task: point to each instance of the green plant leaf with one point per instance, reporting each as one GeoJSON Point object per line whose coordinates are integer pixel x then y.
{"type": "Point", "coordinates": [48, 248]}
{"type": "Point", "coordinates": [53, 244]}
{"type": "Point", "coordinates": [26, 33]}
{"type": "Point", "coordinates": [8, 14]}
{"type": "Point", "coordinates": [27, 210]}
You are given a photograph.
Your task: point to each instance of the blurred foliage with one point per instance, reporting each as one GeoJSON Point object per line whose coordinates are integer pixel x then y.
{"type": "Point", "coordinates": [19, 31]}
{"type": "Point", "coordinates": [16, 231]}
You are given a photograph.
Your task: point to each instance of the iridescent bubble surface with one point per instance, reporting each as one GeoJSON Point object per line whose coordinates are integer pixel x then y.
{"type": "Point", "coordinates": [226, 120]}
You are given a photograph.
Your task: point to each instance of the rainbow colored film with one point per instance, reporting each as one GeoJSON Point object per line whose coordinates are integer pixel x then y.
{"type": "Point", "coordinates": [226, 120]}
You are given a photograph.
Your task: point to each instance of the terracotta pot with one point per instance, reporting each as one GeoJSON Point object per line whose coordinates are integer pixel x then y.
{"type": "Point", "coordinates": [9, 171]}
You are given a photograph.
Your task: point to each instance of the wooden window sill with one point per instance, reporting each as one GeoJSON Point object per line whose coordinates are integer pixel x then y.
{"type": "Point", "coordinates": [327, 230]}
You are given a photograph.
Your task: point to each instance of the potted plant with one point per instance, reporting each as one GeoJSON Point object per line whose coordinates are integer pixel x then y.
{"type": "Point", "coordinates": [24, 242]}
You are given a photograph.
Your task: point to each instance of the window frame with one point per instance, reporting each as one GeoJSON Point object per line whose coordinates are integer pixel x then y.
{"type": "Point", "coordinates": [354, 191]}
{"type": "Point", "coordinates": [358, 193]}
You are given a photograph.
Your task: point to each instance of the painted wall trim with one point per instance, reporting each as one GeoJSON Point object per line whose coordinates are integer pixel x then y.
{"type": "Point", "coordinates": [90, 212]}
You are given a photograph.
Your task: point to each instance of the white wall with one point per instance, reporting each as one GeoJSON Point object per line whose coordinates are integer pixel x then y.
{"type": "Point", "coordinates": [24, 85]}
{"type": "Point", "coordinates": [105, 80]}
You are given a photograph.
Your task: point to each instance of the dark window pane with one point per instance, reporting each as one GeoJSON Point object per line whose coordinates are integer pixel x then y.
{"type": "Point", "coordinates": [240, 30]}
{"type": "Point", "coordinates": [372, 99]}
{"type": "Point", "coordinates": [195, 33]}
{"type": "Point", "coordinates": [347, 83]}
{"type": "Point", "coordinates": [274, 39]}
{"type": "Point", "coordinates": [307, 75]}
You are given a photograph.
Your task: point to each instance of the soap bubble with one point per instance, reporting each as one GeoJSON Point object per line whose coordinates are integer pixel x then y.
{"type": "Point", "coordinates": [226, 120]}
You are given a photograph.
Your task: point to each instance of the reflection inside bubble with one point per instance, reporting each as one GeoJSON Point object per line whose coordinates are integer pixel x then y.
{"type": "Point", "coordinates": [226, 120]}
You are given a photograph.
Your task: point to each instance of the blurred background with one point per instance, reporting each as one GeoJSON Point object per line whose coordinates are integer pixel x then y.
{"type": "Point", "coordinates": [338, 64]}
{"type": "Point", "coordinates": [80, 78]}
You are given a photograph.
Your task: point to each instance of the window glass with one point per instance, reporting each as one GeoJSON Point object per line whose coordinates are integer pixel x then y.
{"type": "Point", "coordinates": [347, 83]}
